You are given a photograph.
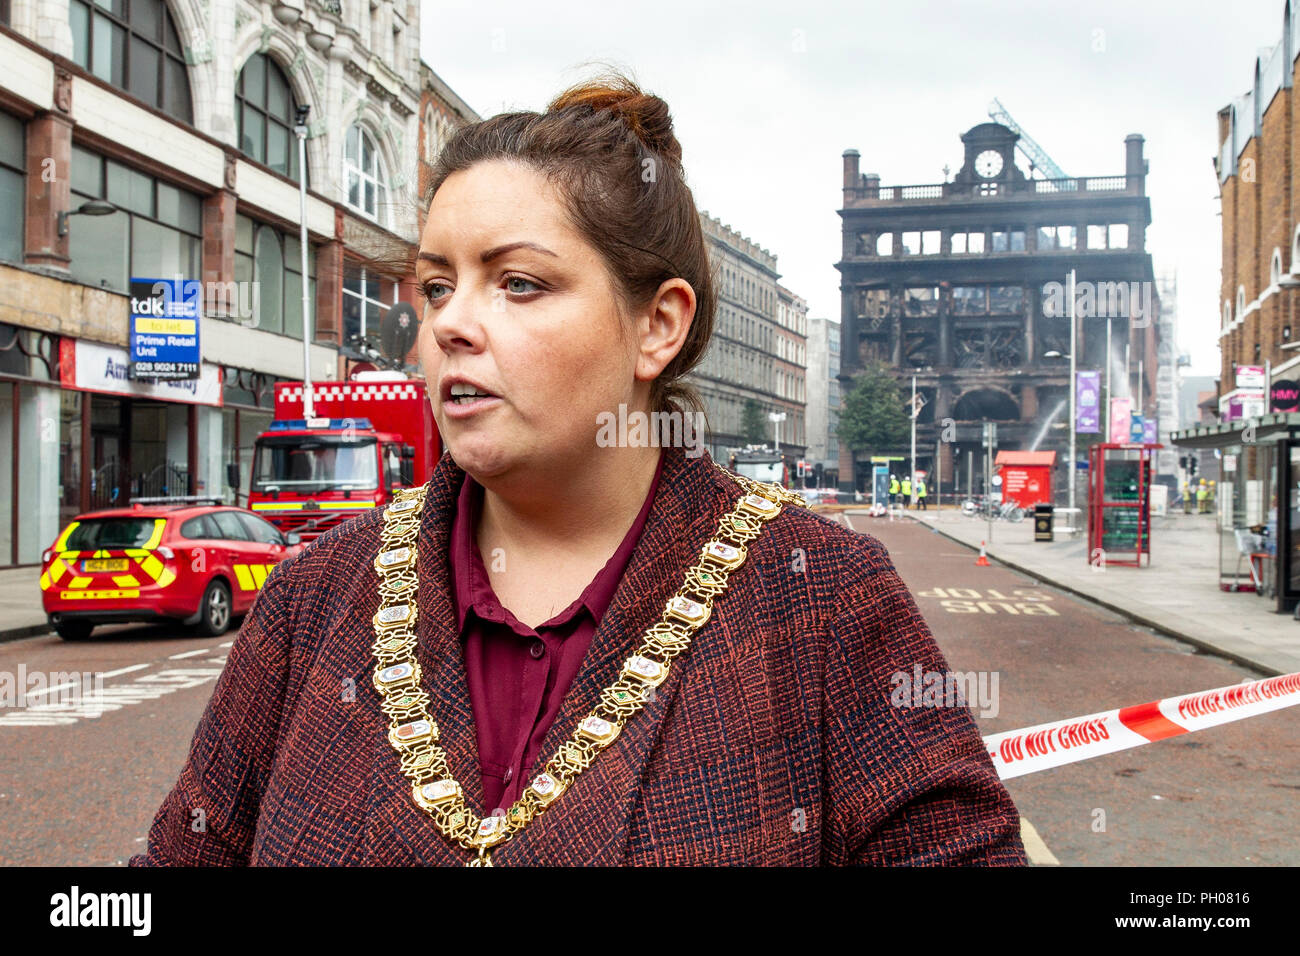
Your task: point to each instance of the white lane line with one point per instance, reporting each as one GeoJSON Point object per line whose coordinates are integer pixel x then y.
{"type": "Point", "coordinates": [124, 670]}
{"type": "Point", "coordinates": [1035, 848]}
{"type": "Point", "coordinates": [227, 644]}
{"type": "Point", "coordinates": [201, 650]}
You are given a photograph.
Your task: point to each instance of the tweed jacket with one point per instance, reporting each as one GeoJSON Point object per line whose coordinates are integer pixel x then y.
{"type": "Point", "coordinates": [771, 742]}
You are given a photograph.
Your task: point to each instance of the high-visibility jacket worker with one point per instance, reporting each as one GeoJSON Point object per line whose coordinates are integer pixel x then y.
{"type": "Point", "coordinates": [893, 485]}
{"type": "Point", "coordinates": [921, 492]}
{"type": "Point", "coordinates": [1202, 498]}
{"type": "Point", "coordinates": [907, 487]}
{"type": "Point", "coordinates": [1187, 498]}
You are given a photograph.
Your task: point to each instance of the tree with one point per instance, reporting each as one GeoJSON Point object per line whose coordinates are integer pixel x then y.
{"type": "Point", "coordinates": [753, 423]}
{"type": "Point", "coordinates": [873, 417]}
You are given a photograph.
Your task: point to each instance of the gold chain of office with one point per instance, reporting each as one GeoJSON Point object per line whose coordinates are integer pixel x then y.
{"type": "Point", "coordinates": [413, 732]}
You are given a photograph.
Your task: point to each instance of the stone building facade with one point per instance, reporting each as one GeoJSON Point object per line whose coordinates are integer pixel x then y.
{"type": "Point", "coordinates": [181, 116]}
{"type": "Point", "coordinates": [962, 284]}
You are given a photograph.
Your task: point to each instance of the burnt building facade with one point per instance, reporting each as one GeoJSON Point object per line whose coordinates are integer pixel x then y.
{"type": "Point", "coordinates": [963, 284]}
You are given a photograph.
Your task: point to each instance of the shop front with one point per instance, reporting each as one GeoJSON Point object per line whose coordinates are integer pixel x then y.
{"type": "Point", "coordinates": [122, 439]}
{"type": "Point", "coordinates": [1256, 503]}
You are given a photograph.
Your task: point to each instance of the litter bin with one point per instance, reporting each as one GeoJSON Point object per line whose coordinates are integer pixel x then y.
{"type": "Point", "coordinates": [1042, 522]}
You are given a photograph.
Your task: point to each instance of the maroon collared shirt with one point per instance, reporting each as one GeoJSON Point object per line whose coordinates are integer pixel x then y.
{"type": "Point", "coordinates": [518, 676]}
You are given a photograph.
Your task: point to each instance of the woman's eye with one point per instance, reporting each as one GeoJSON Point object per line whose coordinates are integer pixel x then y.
{"type": "Point", "coordinates": [430, 290]}
{"type": "Point", "coordinates": [510, 280]}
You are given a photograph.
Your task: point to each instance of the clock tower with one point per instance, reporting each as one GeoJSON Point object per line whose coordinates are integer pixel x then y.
{"type": "Point", "coordinates": [990, 155]}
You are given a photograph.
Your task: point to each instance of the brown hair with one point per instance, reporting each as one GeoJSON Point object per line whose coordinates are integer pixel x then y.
{"type": "Point", "coordinates": [609, 150]}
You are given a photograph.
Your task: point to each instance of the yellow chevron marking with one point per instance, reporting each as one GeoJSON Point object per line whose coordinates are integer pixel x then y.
{"type": "Point", "coordinates": [158, 525]}
{"type": "Point", "coordinates": [77, 582]}
{"type": "Point", "coordinates": [126, 581]}
{"type": "Point", "coordinates": [166, 578]}
{"type": "Point", "coordinates": [151, 566]}
{"type": "Point", "coordinates": [45, 580]}
{"type": "Point", "coordinates": [259, 574]}
{"type": "Point", "coordinates": [245, 578]}
{"type": "Point", "coordinates": [63, 538]}
{"type": "Point", "coordinates": [98, 595]}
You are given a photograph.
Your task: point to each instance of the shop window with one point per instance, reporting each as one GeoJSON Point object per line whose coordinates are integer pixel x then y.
{"type": "Point", "coordinates": [265, 107]}
{"type": "Point", "coordinates": [363, 171]}
{"type": "Point", "coordinates": [133, 44]}
{"type": "Point", "coordinates": [156, 232]}
{"type": "Point", "coordinates": [12, 192]}
{"type": "Point", "coordinates": [968, 243]}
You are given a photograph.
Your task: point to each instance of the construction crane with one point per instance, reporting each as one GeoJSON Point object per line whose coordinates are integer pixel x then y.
{"type": "Point", "coordinates": [1036, 155]}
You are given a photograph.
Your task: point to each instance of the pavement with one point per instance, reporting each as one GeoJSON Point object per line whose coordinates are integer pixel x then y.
{"type": "Point", "coordinates": [20, 604]}
{"type": "Point", "coordinates": [1177, 594]}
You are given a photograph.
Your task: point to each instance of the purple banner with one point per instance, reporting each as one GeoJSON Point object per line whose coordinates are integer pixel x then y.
{"type": "Point", "coordinates": [1149, 430]}
{"type": "Point", "coordinates": [1087, 400]}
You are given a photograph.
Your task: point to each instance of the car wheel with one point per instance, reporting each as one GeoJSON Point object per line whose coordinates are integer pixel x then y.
{"type": "Point", "coordinates": [214, 613]}
{"type": "Point", "coordinates": [74, 630]}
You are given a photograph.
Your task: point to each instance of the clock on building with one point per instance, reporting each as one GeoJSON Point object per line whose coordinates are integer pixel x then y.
{"type": "Point", "coordinates": [988, 163]}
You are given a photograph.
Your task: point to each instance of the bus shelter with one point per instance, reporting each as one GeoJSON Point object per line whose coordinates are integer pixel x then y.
{"type": "Point", "coordinates": [1257, 502]}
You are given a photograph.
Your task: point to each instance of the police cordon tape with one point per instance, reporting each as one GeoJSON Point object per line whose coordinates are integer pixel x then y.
{"type": "Point", "coordinates": [1018, 752]}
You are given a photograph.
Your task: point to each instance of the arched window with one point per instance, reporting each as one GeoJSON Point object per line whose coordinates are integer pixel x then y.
{"type": "Point", "coordinates": [1241, 300]}
{"type": "Point", "coordinates": [1275, 266]}
{"type": "Point", "coordinates": [265, 104]}
{"type": "Point", "coordinates": [364, 174]}
{"type": "Point", "coordinates": [133, 44]}
{"type": "Point", "coordinates": [1227, 313]}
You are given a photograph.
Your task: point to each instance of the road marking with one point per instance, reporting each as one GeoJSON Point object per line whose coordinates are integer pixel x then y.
{"type": "Point", "coordinates": [201, 650]}
{"type": "Point", "coordinates": [124, 670]}
{"type": "Point", "coordinates": [1035, 848]}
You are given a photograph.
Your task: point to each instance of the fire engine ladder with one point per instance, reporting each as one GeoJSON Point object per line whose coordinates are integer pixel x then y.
{"type": "Point", "coordinates": [1036, 155]}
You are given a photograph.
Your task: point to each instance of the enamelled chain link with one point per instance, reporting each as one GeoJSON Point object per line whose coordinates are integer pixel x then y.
{"type": "Point", "coordinates": [413, 732]}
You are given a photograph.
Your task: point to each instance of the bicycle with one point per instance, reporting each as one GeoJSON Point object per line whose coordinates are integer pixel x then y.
{"type": "Point", "coordinates": [1004, 511]}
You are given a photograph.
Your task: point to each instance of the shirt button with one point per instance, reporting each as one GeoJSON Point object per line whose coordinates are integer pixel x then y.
{"type": "Point", "coordinates": [536, 649]}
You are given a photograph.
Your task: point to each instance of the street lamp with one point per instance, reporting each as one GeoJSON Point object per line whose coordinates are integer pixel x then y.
{"type": "Point", "coordinates": [95, 207]}
{"type": "Point", "coordinates": [776, 418]}
{"type": "Point", "coordinates": [300, 130]}
{"type": "Point", "coordinates": [1054, 353]}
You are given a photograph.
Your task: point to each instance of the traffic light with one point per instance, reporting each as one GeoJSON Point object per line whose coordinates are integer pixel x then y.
{"type": "Point", "coordinates": [1191, 464]}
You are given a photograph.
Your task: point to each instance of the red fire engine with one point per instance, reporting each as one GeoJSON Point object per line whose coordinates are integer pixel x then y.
{"type": "Point", "coordinates": [371, 435]}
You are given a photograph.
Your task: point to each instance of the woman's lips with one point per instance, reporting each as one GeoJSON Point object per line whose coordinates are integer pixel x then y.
{"type": "Point", "coordinates": [454, 409]}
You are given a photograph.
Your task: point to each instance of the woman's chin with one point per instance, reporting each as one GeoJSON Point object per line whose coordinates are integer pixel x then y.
{"type": "Point", "coordinates": [480, 455]}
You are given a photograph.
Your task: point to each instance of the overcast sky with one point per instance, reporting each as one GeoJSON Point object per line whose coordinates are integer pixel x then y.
{"type": "Point", "coordinates": [766, 96]}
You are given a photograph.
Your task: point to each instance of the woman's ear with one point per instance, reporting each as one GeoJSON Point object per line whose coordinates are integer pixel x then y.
{"type": "Point", "coordinates": [662, 328]}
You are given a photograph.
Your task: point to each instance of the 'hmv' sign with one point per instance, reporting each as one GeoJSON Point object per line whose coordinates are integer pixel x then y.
{"type": "Point", "coordinates": [1286, 396]}
{"type": "Point", "coordinates": [165, 329]}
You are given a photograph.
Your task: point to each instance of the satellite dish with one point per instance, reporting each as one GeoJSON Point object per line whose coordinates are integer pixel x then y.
{"type": "Point", "coordinates": [397, 331]}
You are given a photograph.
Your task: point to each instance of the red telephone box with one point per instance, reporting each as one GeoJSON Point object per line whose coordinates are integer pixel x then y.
{"type": "Point", "coordinates": [1119, 503]}
{"type": "Point", "coordinates": [1026, 476]}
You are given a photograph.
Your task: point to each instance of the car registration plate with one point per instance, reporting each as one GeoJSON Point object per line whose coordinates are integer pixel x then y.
{"type": "Point", "coordinates": [104, 564]}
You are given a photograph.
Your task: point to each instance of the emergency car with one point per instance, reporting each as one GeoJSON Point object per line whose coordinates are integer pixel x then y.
{"type": "Point", "coordinates": [159, 559]}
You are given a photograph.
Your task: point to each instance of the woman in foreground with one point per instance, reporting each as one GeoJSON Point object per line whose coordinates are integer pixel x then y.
{"type": "Point", "coordinates": [575, 646]}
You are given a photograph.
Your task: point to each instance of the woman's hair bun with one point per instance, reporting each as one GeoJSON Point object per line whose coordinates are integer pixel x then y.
{"type": "Point", "coordinates": [645, 114]}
